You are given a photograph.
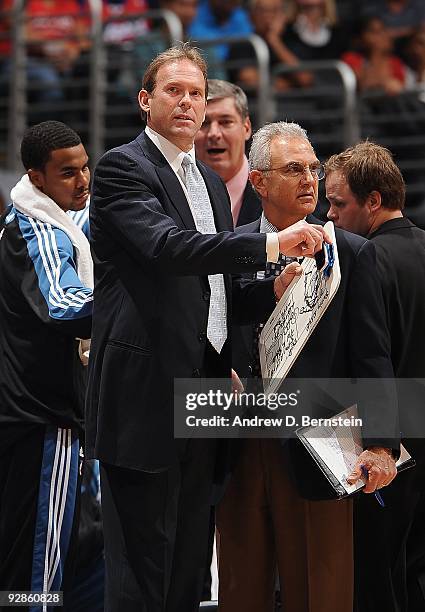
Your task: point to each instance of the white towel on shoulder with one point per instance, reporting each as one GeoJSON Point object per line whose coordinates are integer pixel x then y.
{"type": "Point", "coordinates": [32, 202]}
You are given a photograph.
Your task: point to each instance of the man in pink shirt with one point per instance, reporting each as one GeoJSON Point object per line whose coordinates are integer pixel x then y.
{"type": "Point", "coordinates": [220, 143]}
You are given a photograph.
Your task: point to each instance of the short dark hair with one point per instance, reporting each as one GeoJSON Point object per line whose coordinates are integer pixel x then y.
{"type": "Point", "coordinates": [41, 139]}
{"type": "Point", "coordinates": [370, 167]}
{"type": "Point", "coordinates": [182, 51]}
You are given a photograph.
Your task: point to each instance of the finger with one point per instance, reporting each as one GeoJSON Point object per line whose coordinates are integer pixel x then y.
{"type": "Point", "coordinates": [291, 268]}
{"type": "Point", "coordinates": [296, 271]}
{"type": "Point", "coordinates": [390, 475]}
{"type": "Point", "coordinates": [316, 236]}
{"type": "Point", "coordinates": [374, 479]}
{"type": "Point", "coordinates": [355, 475]}
{"type": "Point", "coordinates": [316, 231]}
{"type": "Point", "coordinates": [307, 246]}
{"type": "Point", "coordinates": [390, 472]}
{"type": "Point", "coordinates": [287, 276]}
{"type": "Point", "coordinates": [237, 386]}
{"type": "Point", "coordinates": [326, 237]}
{"type": "Point", "coordinates": [312, 243]}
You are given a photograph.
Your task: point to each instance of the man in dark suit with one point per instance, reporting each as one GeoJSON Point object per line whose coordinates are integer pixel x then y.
{"type": "Point", "coordinates": [221, 142]}
{"type": "Point", "coordinates": [366, 192]}
{"type": "Point", "coordinates": [263, 520]}
{"type": "Point", "coordinates": [163, 251]}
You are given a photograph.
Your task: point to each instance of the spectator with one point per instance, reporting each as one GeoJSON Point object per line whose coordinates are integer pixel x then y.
{"type": "Point", "coordinates": [220, 143]}
{"type": "Point", "coordinates": [123, 23]}
{"type": "Point", "coordinates": [415, 57]}
{"type": "Point", "coordinates": [401, 17]}
{"type": "Point", "coordinates": [53, 32]}
{"type": "Point", "coordinates": [123, 26]}
{"type": "Point", "coordinates": [304, 30]}
{"type": "Point", "coordinates": [217, 18]}
{"type": "Point", "coordinates": [151, 46]}
{"type": "Point", "coordinates": [185, 10]}
{"type": "Point", "coordinates": [374, 64]}
{"type": "Point", "coordinates": [269, 20]}
{"type": "Point", "coordinates": [312, 33]}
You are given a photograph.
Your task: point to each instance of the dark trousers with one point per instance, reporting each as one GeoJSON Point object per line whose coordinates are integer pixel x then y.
{"type": "Point", "coordinates": [390, 542]}
{"type": "Point", "coordinates": [163, 520]}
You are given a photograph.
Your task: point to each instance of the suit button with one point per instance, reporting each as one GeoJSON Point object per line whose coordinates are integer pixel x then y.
{"type": "Point", "coordinates": [196, 373]}
{"type": "Point", "coordinates": [202, 337]}
{"type": "Point", "coordinates": [206, 296]}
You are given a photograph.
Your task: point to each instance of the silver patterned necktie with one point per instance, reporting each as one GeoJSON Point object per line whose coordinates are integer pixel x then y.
{"type": "Point", "coordinates": [204, 222]}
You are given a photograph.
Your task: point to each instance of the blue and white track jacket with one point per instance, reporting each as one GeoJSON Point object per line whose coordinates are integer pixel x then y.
{"type": "Point", "coordinates": [43, 307]}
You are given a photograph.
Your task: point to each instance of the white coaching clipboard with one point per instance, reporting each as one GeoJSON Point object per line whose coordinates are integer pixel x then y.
{"type": "Point", "coordinates": [296, 315]}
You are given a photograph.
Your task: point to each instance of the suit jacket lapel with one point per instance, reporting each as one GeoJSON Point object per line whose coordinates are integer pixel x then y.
{"type": "Point", "coordinates": [251, 206]}
{"type": "Point", "coordinates": [169, 180]}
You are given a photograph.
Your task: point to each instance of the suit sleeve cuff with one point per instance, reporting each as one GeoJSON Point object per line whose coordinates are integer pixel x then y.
{"type": "Point", "coordinates": [272, 247]}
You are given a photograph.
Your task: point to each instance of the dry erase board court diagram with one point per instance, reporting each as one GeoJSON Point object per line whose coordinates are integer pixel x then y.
{"type": "Point", "coordinates": [297, 314]}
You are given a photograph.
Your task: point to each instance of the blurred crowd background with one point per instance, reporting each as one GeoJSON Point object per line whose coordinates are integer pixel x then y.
{"type": "Point", "coordinates": [343, 69]}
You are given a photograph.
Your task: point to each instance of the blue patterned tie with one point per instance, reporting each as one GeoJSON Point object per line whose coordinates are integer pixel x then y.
{"type": "Point", "coordinates": [204, 222]}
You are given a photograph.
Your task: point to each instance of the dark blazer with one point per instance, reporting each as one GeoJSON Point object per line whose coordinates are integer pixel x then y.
{"type": "Point", "coordinates": [351, 340]}
{"type": "Point", "coordinates": [151, 300]}
{"type": "Point", "coordinates": [400, 257]}
{"type": "Point", "coordinates": [251, 206]}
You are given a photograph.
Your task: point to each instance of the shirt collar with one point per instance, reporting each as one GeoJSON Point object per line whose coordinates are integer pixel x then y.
{"type": "Point", "coordinates": [236, 187]}
{"type": "Point", "coordinates": [170, 151]}
{"type": "Point", "coordinates": [238, 182]}
{"type": "Point", "coordinates": [266, 226]}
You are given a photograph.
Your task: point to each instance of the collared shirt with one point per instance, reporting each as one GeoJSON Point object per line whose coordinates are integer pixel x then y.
{"type": "Point", "coordinates": [174, 157]}
{"type": "Point", "coordinates": [236, 188]}
{"type": "Point", "coordinates": [266, 226]}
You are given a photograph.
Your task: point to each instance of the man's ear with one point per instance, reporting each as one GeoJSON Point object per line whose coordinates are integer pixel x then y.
{"type": "Point", "coordinates": [36, 177]}
{"type": "Point", "coordinates": [144, 99]}
{"type": "Point", "coordinates": [374, 201]}
{"type": "Point", "coordinates": [258, 181]}
{"type": "Point", "coordinates": [248, 128]}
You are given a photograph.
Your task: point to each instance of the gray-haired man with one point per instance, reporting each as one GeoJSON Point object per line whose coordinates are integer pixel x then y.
{"type": "Point", "coordinates": [265, 520]}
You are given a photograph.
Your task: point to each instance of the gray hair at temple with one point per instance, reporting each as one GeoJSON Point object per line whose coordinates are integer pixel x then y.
{"type": "Point", "coordinates": [259, 155]}
{"type": "Point", "coordinates": [218, 89]}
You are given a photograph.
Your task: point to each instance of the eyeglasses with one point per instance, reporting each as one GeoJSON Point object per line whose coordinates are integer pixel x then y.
{"type": "Point", "coordinates": [295, 170]}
